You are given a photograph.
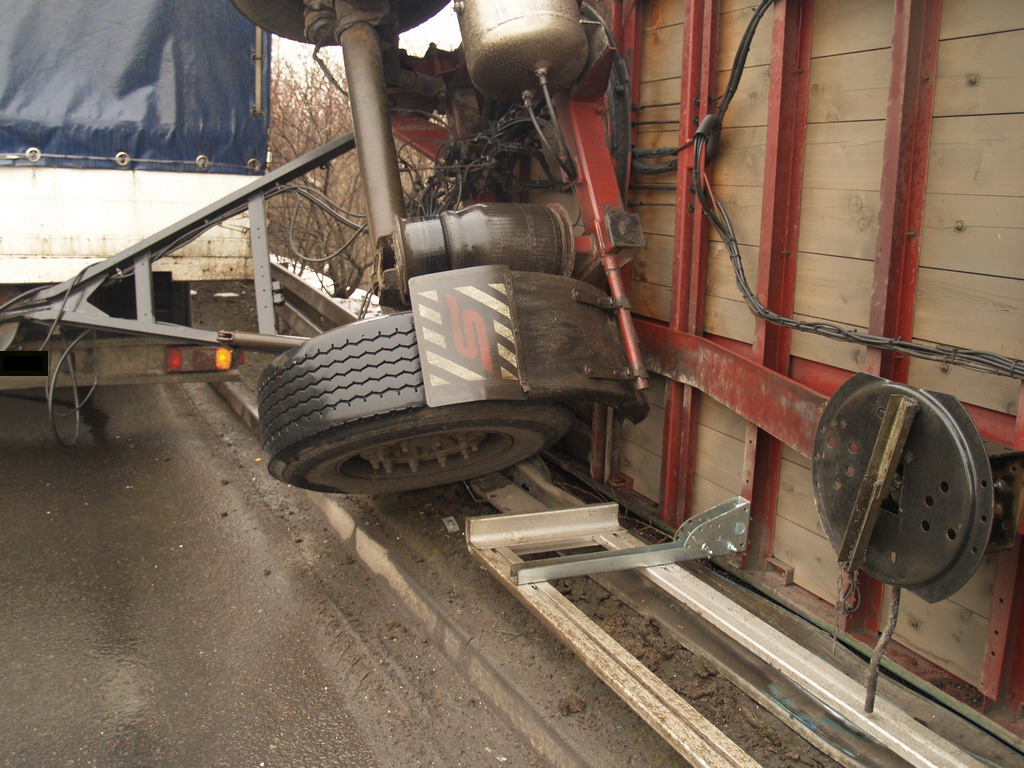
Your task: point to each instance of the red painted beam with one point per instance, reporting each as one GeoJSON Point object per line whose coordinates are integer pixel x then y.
{"type": "Point", "coordinates": [777, 257]}
{"type": "Point", "coordinates": [915, 50]}
{"type": "Point", "coordinates": [1003, 620]}
{"type": "Point", "coordinates": [812, 382]}
{"type": "Point", "coordinates": [689, 268]}
{"type": "Point", "coordinates": [782, 407]}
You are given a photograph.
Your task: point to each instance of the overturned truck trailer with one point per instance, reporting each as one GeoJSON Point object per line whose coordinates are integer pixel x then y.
{"type": "Point", "coordinates": [803, 218]}
{"type": "Point", "coordinates": [696, 249]}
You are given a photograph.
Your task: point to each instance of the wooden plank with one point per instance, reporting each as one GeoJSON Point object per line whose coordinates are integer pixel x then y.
{"type": "Point", "coordinates": [733, 23]}
{"type": "Point", "coordinates": [846, 26]}
{"type": "Point", "coordinates": [661, 55]}
{"type": "Point", "coordinates": [833, 288]}
{"type": "Point", "coordinates": [830, 288]}
{"type": "Point", "coordinates": [998, 393]}
{"type": "Point", "coordinates": [796, 498]}
{"type": "Point", "coordinates": [788, 454]}
{"type": "Point", "coordinates": [980, 75]}
{"type": "Point", "coordinates": [976, 594]}
{"type": "Point", "coordinates": [973, 233]}
{"type": "Point", "coordinates": [750, 104]}
{"type": "Point", "coordinates": [740, 160]}
{"type": "Point", "coordinates": [945, 633]}
{"type": "Point", "coordinates": [842, 222]}
{"type": "Point", "coordinates": [649, 433]}
{"type": "Point", "coordinates": [643, 467]}
{"type": "Point", "coordinates": [839, 354]}
{"type": "Point", "coordinates": [729, 318]}
{"type": "Point", "coordinates": [743, 204]}
{"type": "Point", "coordinates": [844, 156]}
{"type": "Point", "coordinates": [975, 311]}
{"type": "Point", "coordinates": [682, 726]}
{"type": "Point", "coordinates": [970, 17]}
{"type": "Point", "coordinates": [653, 118]}
{"type": "Point", "coordinates": [713, 415]}
{"type": "Point", "coordinates": [720, 459]}
{"type": "Point", "coordinates": [811, 557]}
{"type": "Point", "coordinates": [650, 300]}
{"type": "Point", "coordinates": [654, 263]}
{"type": "Point", "coordinates": [662, 13]}
{"type": "Point", "coordinates": [977, 155]}
{"type": "Point", "coordinates": [706, 494]}
{"type": "Point", "coordinates": [656, 219]}
{"type": "Point", "coordinates": [849, 87]}
{"type": "Point", "coordinates": [721, 279]}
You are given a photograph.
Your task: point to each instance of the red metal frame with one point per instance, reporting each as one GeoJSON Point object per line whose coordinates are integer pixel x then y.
{"type": "Point", "coordinates": [777, 259]}
{"type": "Point", "coordinates": [780, 396]}
{"type": "Point", "coordinates": [690, 264]}
{"type": "Point", "coordinates": [915, 50]}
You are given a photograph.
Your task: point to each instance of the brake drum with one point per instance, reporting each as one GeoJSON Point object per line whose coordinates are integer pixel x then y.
{"type": "Point", "coordinates": [936, 517]}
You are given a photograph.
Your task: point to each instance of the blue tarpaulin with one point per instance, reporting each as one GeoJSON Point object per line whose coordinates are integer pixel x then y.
{"type": "Point", "coordinates": [164, 81]}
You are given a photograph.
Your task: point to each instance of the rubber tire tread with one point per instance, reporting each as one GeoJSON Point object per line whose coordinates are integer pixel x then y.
{"type": "Point", "coordinates": [355, 372]}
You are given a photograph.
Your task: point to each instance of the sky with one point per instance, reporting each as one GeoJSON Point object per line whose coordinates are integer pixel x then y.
{"type": "Point", "coordinates": [443, 29]}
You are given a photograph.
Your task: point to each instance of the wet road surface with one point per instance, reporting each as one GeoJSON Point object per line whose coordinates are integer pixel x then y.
{"type": "Point", "coordinates": [140, 623]}
{"type": "Point", "coordinates": [164, 602]}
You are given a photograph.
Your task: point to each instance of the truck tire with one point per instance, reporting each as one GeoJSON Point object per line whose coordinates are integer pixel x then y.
{"type": "Point", "coordinates": [346, 412]}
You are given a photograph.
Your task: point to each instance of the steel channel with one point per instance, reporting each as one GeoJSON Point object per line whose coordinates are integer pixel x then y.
{"type": "Point", "coordinates": [531, 527]}
{"type": "Point", "coordinates": [889, 725]}
{"type": "Point", "coordinates": [720, 530]}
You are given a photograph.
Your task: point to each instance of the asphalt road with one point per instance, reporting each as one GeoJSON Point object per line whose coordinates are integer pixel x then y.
{"type": "Point", "coordinates": [157, 609]}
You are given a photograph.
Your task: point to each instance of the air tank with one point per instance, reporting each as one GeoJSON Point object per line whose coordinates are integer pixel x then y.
{"type": "Point", "coordinates": [508, 42]}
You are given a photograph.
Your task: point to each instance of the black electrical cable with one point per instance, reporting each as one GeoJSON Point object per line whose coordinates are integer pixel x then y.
{"type": "Point", "coordinates": [704, 142]}
{"type": "Point", "coordinates": [78, 401]}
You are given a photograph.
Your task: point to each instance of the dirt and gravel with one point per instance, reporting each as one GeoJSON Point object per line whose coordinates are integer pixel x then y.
{"type": "Point", "coordinates": [582, 715]}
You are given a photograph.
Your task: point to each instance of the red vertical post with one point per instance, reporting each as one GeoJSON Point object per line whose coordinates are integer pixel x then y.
{"type": "Point", "coordinates": [780, 222]}
{"type": "Point", "coordinates": [915, 45]}
{"type": "Point", "coordinates": [1018, 431]}
{"type": "Point", "coordinates": [908, 127]}
{"type": "Point", "coordinates": [700, 45]}
{"type": "Point", "coordinates": [1004, 644]}
{"type": "Point", "coordinates": [1002, 650]}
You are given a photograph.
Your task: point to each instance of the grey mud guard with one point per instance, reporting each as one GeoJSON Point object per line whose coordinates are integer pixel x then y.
{"type": "Point", "coordinates": [488, 333]}
{"type": "Point", "coordinates": [468, 336]}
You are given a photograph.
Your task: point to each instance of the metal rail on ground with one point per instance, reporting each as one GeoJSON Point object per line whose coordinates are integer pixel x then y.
{"type": "Point", "coordinates": [888, 731]}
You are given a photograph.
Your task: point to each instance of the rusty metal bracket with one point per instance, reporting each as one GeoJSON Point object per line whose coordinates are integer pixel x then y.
{"type": "Point", "coordinates": [1008, 488]}
{"type": "Point", "coordinates": [878, 479]}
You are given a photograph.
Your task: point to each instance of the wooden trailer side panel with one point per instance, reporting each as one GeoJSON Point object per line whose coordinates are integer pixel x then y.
{"type": "Point", "coordinates": [963, 262]}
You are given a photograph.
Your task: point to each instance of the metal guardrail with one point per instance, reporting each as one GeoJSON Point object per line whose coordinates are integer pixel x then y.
{"type": "Point", "coordinates": [304, 310]}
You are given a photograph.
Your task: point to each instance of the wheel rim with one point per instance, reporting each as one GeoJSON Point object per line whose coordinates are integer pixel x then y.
{"type": "Point", "coordinates": [419, 460]}
{"type": "Point", "coordinates": [422, 449]}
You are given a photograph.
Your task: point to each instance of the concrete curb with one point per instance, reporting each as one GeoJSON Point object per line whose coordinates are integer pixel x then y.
{"type": "Point", "coordinates": [442, 629]}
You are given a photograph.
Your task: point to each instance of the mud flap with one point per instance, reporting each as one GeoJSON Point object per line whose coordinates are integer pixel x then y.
{"type": "Point", "coordinates": [489, 333]}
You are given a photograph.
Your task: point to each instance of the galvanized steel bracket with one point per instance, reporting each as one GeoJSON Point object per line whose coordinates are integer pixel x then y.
{"type": "Point", "coordinates": [721, 530]}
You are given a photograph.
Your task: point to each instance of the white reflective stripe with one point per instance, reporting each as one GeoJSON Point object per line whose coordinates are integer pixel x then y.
{"type": "Point", "coordinates": [509, 355]}
{"type": "Point", "coordinates": [486, 299]}
{"type": "Point", "coordinates": [427, 313]}
{"type": "Point", "coordinates": [507, 374]}
{"type": "Point", "coordinates": [432, 295]}
{"type": "Point", "coordinates": [433, 337]}
{"type": "Point", "coordinates": [454, 369]}
{"type": "Point", "coordinates": [504, 331]}
{"type": "Point", "coordinates": [499, 287]}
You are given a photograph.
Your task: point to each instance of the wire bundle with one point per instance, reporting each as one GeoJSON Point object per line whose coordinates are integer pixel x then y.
{"type": "Point", "coordinates": [705, 142]}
